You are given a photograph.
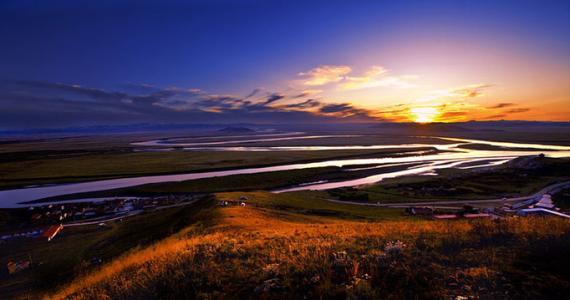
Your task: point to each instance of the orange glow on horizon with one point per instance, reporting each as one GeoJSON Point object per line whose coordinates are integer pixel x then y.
{"type": "Point", "coordinates": [424, 114]}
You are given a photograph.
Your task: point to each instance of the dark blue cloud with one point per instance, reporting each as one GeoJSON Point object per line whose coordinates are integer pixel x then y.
{"type": "Point", "coordinates": [30, 104]}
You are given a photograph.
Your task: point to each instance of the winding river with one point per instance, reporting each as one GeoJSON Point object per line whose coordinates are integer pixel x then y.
{"type": "Point", "coordinates": [420, 164]}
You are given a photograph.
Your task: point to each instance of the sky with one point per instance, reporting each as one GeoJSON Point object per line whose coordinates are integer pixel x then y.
{"type": "Point", "coordinates": [79, 63]}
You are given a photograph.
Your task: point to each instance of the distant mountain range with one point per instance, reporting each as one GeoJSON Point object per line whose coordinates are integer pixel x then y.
{"type": "Point", "coordinates": [470, 126]}
{"type": "Point", "coordinates": [233, 129]}
{"type": "Point", "coordinates": [139, 127]}
{"type": "Point", "coordinates": [245, 128]}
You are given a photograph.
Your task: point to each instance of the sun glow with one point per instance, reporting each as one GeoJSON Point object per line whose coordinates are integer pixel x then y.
{"type": "Point", "coordinates": [424, 114]}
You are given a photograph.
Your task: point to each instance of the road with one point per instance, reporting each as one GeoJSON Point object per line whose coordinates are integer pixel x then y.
{"type": "Point", "coordinates": [539, 194]}
{"type": "Point", "coordinates": [130, 214]}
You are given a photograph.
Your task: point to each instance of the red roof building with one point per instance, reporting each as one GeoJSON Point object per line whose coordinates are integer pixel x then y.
{"type": "Point", "coordinates": [52, 231]}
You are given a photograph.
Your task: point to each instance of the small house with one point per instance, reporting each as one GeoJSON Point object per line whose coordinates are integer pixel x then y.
{"type": "Point", "coordinates": [17, 266]}
{"type": "Point", "coordinates": [445, 217]}
{"type": "Point", "coordinates": [52, 231]}
{"type": "Point", "coordinates": [477, 215]}
{"type": "Point", "coordinates": [545, 202]}
{"type": "Point", "coordinates": [420, 211]}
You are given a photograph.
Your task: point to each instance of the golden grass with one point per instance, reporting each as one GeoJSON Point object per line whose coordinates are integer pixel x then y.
{"type": "Point", "coordinates": [258, 250]}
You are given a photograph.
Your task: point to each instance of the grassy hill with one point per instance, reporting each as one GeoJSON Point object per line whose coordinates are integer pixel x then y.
{"type": "Point", "coordinates": [286, 246]}
{"type": "Point", "coordinates": [76, 250]}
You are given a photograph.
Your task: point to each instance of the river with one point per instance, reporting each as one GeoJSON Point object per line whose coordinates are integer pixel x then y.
{"type": "Point", "coordinates": [424, 164]}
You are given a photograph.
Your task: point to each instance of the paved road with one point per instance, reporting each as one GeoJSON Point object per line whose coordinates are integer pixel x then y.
{"type": "Point", "coordinates": [99, 221]}
{"type": "Point", "coordinates": [539, 194]}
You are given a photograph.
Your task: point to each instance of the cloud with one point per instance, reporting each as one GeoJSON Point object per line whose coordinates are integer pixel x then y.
{"type": "Point", "coordinates": [30, 104]}
{"type": "Point", "coordinates": [324, 74]}
{"type": "Point", "coordinates": [501, 105]}
{"type": "Point", "coordinates": [472, 91]}
{"type": "Point", "coordinates": [455, 94]}
{"type": "Point", "coordinates": [92, 93]}
{"type": "Point", "coordinates": [376, 76]}
{"type": "Point", "coordinates": [495, 117]}
{"type": "Point", "coordinates": [452, 116]}
{"type": "Point", "coordinates": [274, 97]}
{"type": "Point", "coordinates": [307, 93]}
{"type": "Point", "coordinates": [347, 110]}
{"type": "Point", "coordinates": [311, 103]}
{"type": "Point", "coordinates": [517, 110]}
{"type": "Point", "coordinates": [333, 108]}
{"type": "Point", "coordinates": [369, 79]}
{"type": "Point", "coordinates": [253, 93]}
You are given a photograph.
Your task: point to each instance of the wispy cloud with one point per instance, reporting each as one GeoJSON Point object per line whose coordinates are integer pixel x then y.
{"type": "Point", "coordinates": [472, 91]}
{"type": "Point", "coordinates": [308, 93]}
{"type": "Point", "coordinates": [310, 103]}
{"type": "Point", "coordinates": [376, 76]}
{"type": "Point", "coordinates": [274, 97]}
{"type": "Point", "coordinates": [59, 103]}
{"type": "Point", "coordinates": [495, 117]}
{"type": "Point", "coordinates": [453, 116]}
{"type": "Point", "coordinates": [517, 110]}
{"type": "Point", "coordinates": [308, 99]}
{"type": "Point", "coordinates": [501, 105]}
{"type": "Point", "coordinates": [324, 75]}
{"type": "Point", "coordinates": [345, 110]}
{"type": "Point", "coordinates": [455, 94]}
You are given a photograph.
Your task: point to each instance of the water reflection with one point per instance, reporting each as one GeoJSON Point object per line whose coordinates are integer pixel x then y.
{"type": "Point", "coordinates": [426, 164]}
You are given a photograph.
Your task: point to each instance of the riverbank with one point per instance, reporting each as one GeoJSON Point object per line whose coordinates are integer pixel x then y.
{"type": "Point", "coordinates": [58, 168]}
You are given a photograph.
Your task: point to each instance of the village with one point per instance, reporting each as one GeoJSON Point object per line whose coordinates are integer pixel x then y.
{"type": "Point", "coordinates": [535, 206]}
{"type": "Point", "coordinates": [45, 222]}
{"type": "Point", "coordinates": [39, 221]}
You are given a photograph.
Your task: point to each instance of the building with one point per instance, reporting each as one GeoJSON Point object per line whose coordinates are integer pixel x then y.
{"type": "Point", "coordinates": [477, 215]}
{"type": "Point", "coordinates": [445, 217]}
{"type": "Point", "coordinates": [420, 211]}
{"type": "Point", "coordinates": [545, 202]}
{"type": "Point", "coordinates": [17, 266]}
{"type": "Point", "coordinates": [52, 231]}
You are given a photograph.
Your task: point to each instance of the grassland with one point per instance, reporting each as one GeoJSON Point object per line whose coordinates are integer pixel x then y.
{"type": "Point", "coordinates": [451, 184]}
{"type": "Point", "coordinates": [73, 159]}
{"type": "Point", "coordinates": [292, 245]}
{"type": "Point", "coordinates": [17, 170]}
{"type": "Point", "coordinates": [546, 136]}
{"type": "Point", "coordinates": [498, 148]}
{"type": "Point", "coordinates": [313, 203]}
{"type": "Point", "coordinates": [279, 248]}
{"type": "Point", "coordinates": [243, 182]}
{"type": "Point", "coordinates": [71, 253]}
{"type": "Point", "coordinates": [248, 182]}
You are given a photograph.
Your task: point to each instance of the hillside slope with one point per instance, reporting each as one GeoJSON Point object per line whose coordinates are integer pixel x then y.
{"type": "Point", "coordinates": [270, 249]}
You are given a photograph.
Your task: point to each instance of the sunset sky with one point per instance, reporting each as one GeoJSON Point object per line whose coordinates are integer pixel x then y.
{"type": "Point", "coordinates": [67, 63]}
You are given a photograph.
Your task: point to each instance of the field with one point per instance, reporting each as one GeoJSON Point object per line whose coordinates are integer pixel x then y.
{"type": "Point", "coordinates": [49, 160]}
{"type": "Point", "coordinates": [243, 182]}
{"type": "Point", "coordinates": [289, 245]}
{"type": "Point", "coordinates": [509, 180]}
{"type": "Point", "coordinates": [279, 247]}
{"type": "Point", "coordinates": [21, 169]}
